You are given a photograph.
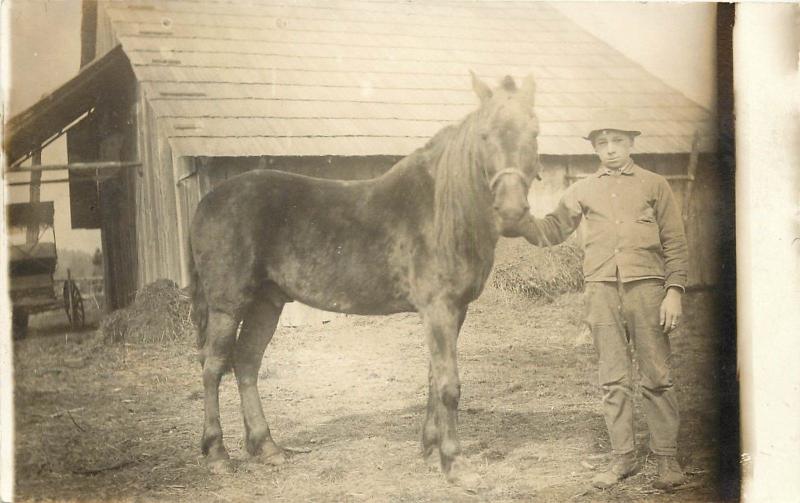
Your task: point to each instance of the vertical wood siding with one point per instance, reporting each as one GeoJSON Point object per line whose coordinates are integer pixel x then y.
{"type": "Point", "coordinates": [158, 242]}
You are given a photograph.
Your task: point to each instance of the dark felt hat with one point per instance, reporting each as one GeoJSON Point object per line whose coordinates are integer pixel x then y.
{"type": "Point", "coordinates": [611, 119]}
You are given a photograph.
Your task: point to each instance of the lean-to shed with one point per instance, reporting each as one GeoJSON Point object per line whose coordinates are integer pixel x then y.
{"type": "Point", "coordinates": [343, 89]}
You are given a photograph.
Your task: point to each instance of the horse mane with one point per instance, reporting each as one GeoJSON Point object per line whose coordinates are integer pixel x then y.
{"type": "Point", "coordinates": [461, 196]}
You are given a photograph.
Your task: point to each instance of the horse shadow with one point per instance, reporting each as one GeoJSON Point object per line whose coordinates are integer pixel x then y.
{"type": "Point", "coordinates": [483, 431]}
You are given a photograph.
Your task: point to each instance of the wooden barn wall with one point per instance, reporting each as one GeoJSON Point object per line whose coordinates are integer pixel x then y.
{"type": "Point", "coordinates": [140, 218]}
{"type": "Point", "coordinates": [168, 232]}
{"type": "Point", "coordinates": [117, 198]}
{"type": "Point", "coordinates": [116, 98]}
{"type": "Point", "coordinates": [703, 226]}
{"type": "Point", "coordinates": [157, 242]}
{"type": "Point", "coordinates": [109, 203]}
{"type": "Point", "coordinates": [118, 233]}
{"type": "Point", "coordinates": [703, 212]}
{"type": "Point", "coordinates": [190, 193]}
{"type": "Point", "coordinates": [144, 197]}
{"type": "Point", "coordinates": [84, 194]}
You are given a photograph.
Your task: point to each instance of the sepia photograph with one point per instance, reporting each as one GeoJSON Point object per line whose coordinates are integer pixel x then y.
{"type": "Point", "coordinates": [369, 250]}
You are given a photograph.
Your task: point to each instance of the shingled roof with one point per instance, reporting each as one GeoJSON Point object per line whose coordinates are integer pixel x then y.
{"type": "Point", "coordinates": [229, 78]}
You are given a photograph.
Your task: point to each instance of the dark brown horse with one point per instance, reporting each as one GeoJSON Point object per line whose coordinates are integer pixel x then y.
{"type": "Point", "coordinates": [419, 238]}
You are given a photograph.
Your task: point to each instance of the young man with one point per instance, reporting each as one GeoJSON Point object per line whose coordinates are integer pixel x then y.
{"type": "Point", "coordinates": [635, 268]}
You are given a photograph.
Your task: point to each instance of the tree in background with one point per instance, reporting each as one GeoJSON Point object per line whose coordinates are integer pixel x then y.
{"type": "Point", "coordinates": [97, 262]}
{"type": "Point", "coordinates": [80, 264]}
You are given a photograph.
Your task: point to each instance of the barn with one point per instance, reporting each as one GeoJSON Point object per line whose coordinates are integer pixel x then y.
{"type": "Point", "coordinates": [175, 96]}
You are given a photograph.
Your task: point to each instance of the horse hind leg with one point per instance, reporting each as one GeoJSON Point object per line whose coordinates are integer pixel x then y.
{"type": "Point", "coordinates": [258, 327]}
{"type": "Point", "coordinates": [219, 336]}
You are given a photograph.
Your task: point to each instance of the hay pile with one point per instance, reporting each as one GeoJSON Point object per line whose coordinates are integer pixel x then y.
{"type": "Point", "coordinates": [160, 314]}
{"type": "Point", "coordinates": [541, 273]}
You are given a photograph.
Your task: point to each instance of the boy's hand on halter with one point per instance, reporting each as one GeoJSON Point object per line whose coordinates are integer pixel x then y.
{"type": "Point", "coordinates": [671, 309]}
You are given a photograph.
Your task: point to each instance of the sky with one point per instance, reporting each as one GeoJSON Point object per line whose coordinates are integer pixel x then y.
{"type": "Point", "coordinates": [40, 64]}
{"type": "Point", "coordinates": [673, 41]}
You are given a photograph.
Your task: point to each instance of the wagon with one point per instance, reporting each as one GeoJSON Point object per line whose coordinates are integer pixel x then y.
{"type": "Point", "coordinates": [32, 263]}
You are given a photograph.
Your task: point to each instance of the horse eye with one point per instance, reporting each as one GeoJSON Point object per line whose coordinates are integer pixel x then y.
{"type": "Point", "coordinates": [484, 136]}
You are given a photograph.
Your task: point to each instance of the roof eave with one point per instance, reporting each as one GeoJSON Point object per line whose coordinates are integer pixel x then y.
{"type": "Point", "coordinates": [28, 130]}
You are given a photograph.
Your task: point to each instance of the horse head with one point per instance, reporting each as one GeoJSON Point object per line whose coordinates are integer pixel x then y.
{"type": "Point", "coordinates": [507, 149]}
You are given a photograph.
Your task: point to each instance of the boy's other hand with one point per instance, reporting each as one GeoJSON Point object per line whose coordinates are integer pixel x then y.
{"type": "Point", "coordinates": [671, 310]}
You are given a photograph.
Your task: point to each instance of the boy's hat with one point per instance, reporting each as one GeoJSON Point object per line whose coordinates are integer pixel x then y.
{"type": "Point", "coordinates": [611, 119]}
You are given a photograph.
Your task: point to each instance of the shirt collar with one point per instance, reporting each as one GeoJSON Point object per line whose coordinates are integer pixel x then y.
{"type": "Point", "coordinates": [625, 170]}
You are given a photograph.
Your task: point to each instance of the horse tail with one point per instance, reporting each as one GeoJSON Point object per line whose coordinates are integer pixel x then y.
{"type": "Point", "coordinates": [199, 303]}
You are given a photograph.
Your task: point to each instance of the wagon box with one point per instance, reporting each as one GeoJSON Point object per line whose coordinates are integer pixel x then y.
{"type": "Point", "coordinates": [32, 263]}
{"type": "Point", "coordinates": [32, 254]}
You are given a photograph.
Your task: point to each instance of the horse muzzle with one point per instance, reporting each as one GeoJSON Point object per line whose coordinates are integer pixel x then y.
{"type": "Point", "coordinates": [511, 214]}
{"type": "Point", "coordinates": [510, 199]}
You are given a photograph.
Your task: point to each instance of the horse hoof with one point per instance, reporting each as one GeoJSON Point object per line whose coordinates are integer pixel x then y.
{"type": "Point", "coordinates": [272, 458]}
{"type": "Point", "coordinates": [431, 459]}
{"type": "Point", "coordinates": [275, 459]}
{"type": "Point", "coordinates": [220, 466]}
{"type": "Point", "coordinates": [462, 475]}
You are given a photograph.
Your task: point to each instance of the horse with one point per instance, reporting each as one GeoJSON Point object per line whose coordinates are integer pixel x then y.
{"type": "Point", "coordinates": [419, 238]}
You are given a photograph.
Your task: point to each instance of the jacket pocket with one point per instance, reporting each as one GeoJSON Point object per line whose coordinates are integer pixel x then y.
{"type": "Point", "coordinates": [648, 216]}
{"type": "Point", "coordinates": [646, 235]}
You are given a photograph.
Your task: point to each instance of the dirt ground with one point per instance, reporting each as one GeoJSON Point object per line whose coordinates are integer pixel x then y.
{"type": "Point", "coordinates": [112, 422]}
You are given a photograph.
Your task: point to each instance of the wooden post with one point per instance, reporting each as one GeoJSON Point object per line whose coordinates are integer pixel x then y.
{"type": "Point", "coordinates": [691, 170]}
{"type": "Point", "coordinates": [70, 307]}
{"type": "Point", "coordinates": [32, 234]}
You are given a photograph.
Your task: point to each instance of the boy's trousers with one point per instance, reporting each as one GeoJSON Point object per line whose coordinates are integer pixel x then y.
{"type": "Point", "coordinates": [616, 312]}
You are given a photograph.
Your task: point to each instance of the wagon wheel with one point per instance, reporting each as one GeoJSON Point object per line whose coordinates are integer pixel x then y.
{"type": "Point", "coordinates": [73, 305]}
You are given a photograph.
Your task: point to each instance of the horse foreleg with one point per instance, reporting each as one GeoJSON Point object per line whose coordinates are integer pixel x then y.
{"type": "Point", "coordinates": [430, 429]}
{"type": "Point", "coordinates": [442, 325]}
{"type": "Point", "coordinates": [216, 357]}
{"type": "Point", "coordinates": [257, 329]}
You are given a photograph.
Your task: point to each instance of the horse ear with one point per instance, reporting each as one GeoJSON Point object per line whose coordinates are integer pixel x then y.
{"type": "Point", "coordinates": [480, 88]}
{"type": "Point", "coordinates": [529, 89]}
